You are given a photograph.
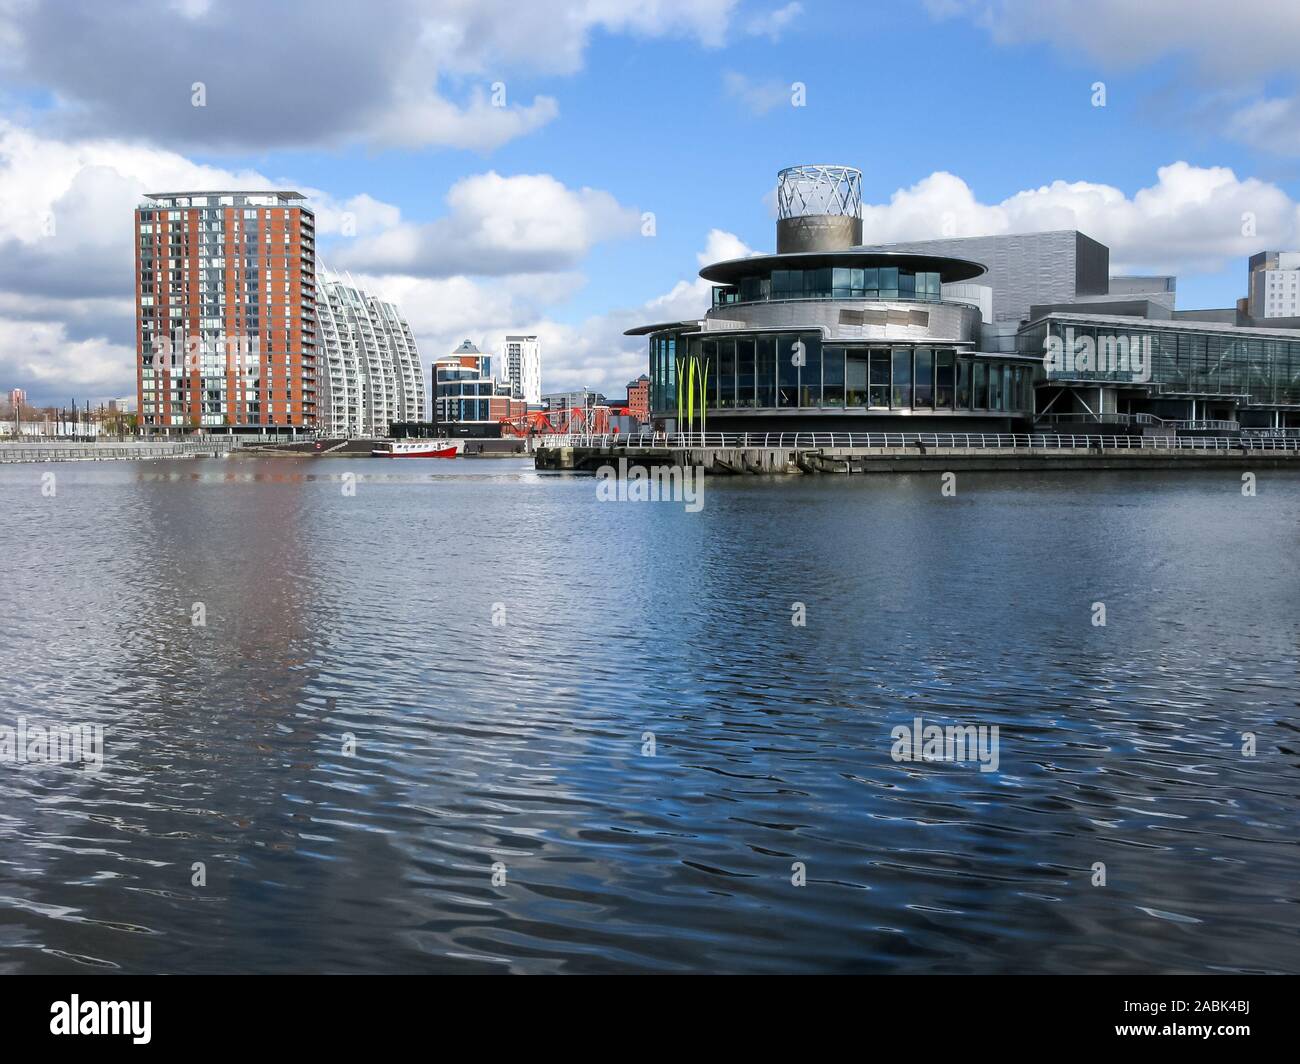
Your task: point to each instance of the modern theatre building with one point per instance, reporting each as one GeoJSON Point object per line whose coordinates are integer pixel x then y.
{"type": "Point", "coordinates": [831, 335]}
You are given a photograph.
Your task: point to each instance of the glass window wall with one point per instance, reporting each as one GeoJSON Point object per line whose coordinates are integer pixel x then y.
{"type": "Point", "coordinates": [923, 394]}
{"type": "Point", "coordinates": [833, 376]}
{"type": "Point", "coordinates": [879, 393]}
{"type": "Point", "coordinates": [901, 397]}
{"type": "Point", "coordinates": [855, 377]}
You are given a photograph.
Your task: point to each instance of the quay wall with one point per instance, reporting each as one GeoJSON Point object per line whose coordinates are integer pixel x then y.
{"type": "Point", "coordinates": [792, 460]}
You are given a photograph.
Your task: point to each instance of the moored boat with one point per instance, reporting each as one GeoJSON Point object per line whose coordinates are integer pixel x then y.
{"type": "Point", "coordinates": [417, 448]}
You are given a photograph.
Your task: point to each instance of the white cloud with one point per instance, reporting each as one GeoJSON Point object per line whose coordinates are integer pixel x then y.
{"type": "Point", "coordinates": [720, 245]}
{"type": "Point", "coordinates": [1239, 46]}
{"type": "Point", "coordinates": [1193, 219]}
{"type": "Point", "coordinates": [528, 223]}
{"type": "Point", "coordinates": [1241, 41]}
{"type": "Point", "coordinates": [356, 216]}
{"type": "Point", "coordinates": [1269, 124]}
{"type": "Point", "coordinates": [54, 369]}
{"type": "Point", "coordinates": [384, 73]}
{"type": "Point", "coordinates": [424, 117]}
{"type": "Point", "coordinates": [758, 96]}
{"type": "Point", "coordinates": [773, 24]}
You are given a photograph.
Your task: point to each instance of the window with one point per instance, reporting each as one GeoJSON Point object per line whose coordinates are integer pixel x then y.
{"type": "Point", "coordinates": [726, 373]}
{"type": "Point", "coordinates": [902, 393]}
{"type": "Point", "coordinates": [943, 380]}
{"type": "Point", "coordinates": [833, 376]}
{"type": "Point", "coordinates": [810, 373]}
{"type": "Point", "coordinates": [766, 370]}
{"type": "Point", "coordinates": [787, 373]}
{"type": "Point", "coordinates": [924, 392]}
{"type": "Point", "coordinates": [745, 373]}
{"type": "Point", "coordinates": [855, 378]}
{"type": "Point", "coordinates": [889, 282]}
{"type": "Point", "coordinates": [879, 389]}
{"type": "Point", "coordinates": [980, 386]}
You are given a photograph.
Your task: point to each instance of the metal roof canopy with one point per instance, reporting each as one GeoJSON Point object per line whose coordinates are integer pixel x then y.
{"type": "Point", "coordinates": [949, 269]}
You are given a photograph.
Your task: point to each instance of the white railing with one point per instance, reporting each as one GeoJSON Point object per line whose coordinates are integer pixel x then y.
{"type": "Point", "coordinates": [922, 441]}
{"type": "Point", "coordinates": [1278, 434]}
{"type": "Point", "coordinates": [1199, 425]}
{"type": "Point", "coordinates": [75, 452]}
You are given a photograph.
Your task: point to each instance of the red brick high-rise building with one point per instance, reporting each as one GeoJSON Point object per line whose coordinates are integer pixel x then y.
{"type": "Point", "coordinates": [226, 312]}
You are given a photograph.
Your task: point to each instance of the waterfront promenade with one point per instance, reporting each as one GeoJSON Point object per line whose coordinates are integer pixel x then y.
{"type": "Point", "coordinates": [896, 452]}
{"type": "Point", "coordinates": [74, 451]}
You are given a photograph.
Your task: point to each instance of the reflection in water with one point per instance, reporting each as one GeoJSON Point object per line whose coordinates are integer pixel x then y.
{"type": "Point", "coordinates": [523, 745]}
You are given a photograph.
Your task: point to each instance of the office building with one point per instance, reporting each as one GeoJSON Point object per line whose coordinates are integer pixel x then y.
{"type": "Point", "coordinates": [468, 401]}
{"type": "Point", "coordinates": [1274, 290]}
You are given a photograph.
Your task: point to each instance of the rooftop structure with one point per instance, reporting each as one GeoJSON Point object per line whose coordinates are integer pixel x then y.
{"type": "Point", "coordinates": [818, 207]}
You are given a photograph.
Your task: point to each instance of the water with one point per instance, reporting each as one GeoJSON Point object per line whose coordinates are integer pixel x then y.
{"type": "Point", "coordinates": [521, 744]}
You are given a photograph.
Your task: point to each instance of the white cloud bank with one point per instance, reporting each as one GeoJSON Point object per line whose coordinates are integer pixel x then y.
{"type": "Point", "coordinates": [384, 73]}
{"type": "Point", "coordinates": [1192, 219]}
{"type": "Point", "coordinates": [529, 223]}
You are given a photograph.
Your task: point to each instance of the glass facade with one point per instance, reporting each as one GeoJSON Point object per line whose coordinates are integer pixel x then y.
{"type": "Point", "coordinates": [832, 282]}
{"type": "Point", "coordinates": [795, 370]}
{"type": "Point", "coordinates": [464, 393]}
{"type": "Point", "coordinates": [1253, 370]}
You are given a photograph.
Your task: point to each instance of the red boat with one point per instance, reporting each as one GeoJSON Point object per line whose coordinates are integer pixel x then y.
{"type": "Point", "coordinates": [417, 448]}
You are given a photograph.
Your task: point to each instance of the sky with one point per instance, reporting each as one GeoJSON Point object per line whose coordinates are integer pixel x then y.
{"type": "Point", "coordinates": [565, 168]}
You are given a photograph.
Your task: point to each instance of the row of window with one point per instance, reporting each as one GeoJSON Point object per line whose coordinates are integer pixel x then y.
{"type": "Point", "coordinates": [212, 209]}
{"type": "Point", "coordinates": [1180, 360]}
{"type": "Point", "coordinates": [795, 370]}
{"type": "Point", "coordinates": [464, 409]}
{"type": "Point", "coordinates": [833, 282]}
{"type": "Point", "coordinates": [459, 388]}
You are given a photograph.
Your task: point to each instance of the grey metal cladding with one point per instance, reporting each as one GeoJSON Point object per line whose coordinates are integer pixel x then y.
{"type": "Point", "coordinates": [1026, 268]}
{"type": "Point", "coordinates": [871, 319]}
{"type": "Point", "coordinates": [1092, 266]}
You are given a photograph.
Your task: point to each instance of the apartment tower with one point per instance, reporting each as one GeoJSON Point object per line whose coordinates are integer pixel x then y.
{"type": "Point", "coordinates": [226, 312]}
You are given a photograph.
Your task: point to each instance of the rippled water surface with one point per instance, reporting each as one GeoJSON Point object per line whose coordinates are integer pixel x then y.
{"type": "Point", "coordinates": [523, 744]}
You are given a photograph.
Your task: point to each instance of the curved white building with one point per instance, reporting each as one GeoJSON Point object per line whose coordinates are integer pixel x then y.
{"type": "Point", "coordinates": [371, 369]}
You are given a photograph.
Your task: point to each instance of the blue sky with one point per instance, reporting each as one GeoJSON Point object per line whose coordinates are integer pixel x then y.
{"type": "Point", "coordinates": [482, 220]}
